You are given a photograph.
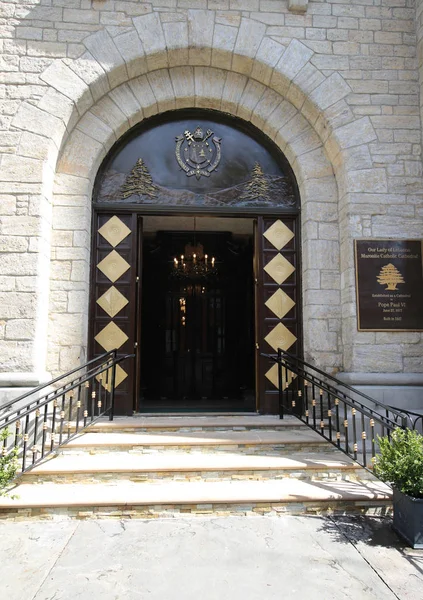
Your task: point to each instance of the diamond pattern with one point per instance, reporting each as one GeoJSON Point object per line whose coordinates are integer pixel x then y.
{"type": "Point", "coordinates": [112, 301]}
{"type": "Point", "coordinates": [106, 378]}
{"type": "Point", "coordinates": [279, 268]}
{"type": "Point", "coordinates": [111, 337]}
{"type": "Point", "coordinates": [280, 303]}
{"type": "Point", "coordinates": [114, 231]}
{"type": "Point", "coordinates": [280, 337]}
{"type": "Point", "coordinates": [278, 234]}
{"type": "Point", "coordinates": [273, 376]}
{"type": "Point", "coordinates": [113, 266]}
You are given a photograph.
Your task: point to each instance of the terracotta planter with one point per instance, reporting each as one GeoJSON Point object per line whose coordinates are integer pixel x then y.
{"type": "Point", "coordinates": [408, 518]}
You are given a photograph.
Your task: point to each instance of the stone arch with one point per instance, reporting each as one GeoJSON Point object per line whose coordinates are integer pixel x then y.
{"type": "Point", "coordinates": [276, 87]}
{"type": "Point", "coordinates": [166, 89]}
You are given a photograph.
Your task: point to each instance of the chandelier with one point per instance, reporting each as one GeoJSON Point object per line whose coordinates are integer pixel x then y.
{"type": "Point", "coordinates": [194, 263]}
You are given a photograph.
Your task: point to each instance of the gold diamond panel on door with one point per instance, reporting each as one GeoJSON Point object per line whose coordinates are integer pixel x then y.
{"type": "Point", "coordinates": [278, 323]}
{"type": "Point", "coordinates": [113, 298]}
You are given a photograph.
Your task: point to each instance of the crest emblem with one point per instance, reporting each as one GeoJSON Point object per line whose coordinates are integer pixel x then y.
{"type": "Point", "coordinates": [198, 153]}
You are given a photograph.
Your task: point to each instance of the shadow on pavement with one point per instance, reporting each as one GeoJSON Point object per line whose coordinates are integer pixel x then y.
{"type": "Point", "coordinates": [373, 532]}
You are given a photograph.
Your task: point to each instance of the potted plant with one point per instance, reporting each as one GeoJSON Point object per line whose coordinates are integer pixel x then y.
{"type": "Point", "coordinates": [400, 464]}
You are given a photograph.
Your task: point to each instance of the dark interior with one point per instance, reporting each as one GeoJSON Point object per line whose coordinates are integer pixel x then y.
{"type": "Point", "coordinates": [197, 330]}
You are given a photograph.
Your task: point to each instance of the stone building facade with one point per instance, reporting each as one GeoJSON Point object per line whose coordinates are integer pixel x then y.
{"type": "Point", "coordinates": [336, 84]}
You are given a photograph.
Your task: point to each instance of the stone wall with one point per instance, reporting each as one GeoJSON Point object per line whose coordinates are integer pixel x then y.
{"type": "Point", "coordinates": [335, 84]}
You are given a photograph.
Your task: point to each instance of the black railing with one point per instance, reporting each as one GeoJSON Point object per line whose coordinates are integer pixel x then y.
{"type": "Point", "coordinates": [347, 418]}
{"type": "Point", "coordinates": [41, 420]}
{"type": "Point", "coordinates": [414, 420]}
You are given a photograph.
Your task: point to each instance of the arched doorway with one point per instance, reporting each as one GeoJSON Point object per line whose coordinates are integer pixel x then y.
{"type": "Point", "coordinates": [195, 264]}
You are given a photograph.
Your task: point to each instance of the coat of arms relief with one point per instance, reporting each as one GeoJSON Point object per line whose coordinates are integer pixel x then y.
{"type": "Point", "coordinates": [198, 153]}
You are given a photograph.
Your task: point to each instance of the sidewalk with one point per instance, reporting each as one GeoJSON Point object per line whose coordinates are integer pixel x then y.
{"type": "Point", "coordinates": [245, 558]}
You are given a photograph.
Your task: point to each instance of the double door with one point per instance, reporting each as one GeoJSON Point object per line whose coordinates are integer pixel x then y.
{"type": "Point", "coordinates": [196, 342]}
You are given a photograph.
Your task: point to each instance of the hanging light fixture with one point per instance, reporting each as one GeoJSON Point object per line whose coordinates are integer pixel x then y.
{"type": "Point", "coordinates": [194, 263]}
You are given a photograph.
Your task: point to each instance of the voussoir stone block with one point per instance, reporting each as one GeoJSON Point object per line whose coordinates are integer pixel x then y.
{"type": "Point", "coordinates": [330, 91]}
{"type": "Point", "coordinates": [64, 80]}
{"type": "Point", "coordinates": [81, 155]}
{"type": "Point", "coordinates": [268, 55]}
{"type": "Point", "coordinates": [144, 94]}
{"type": "Point", "coordinates": [232, 92]}
{"type": "Point", "coordinates": [209, 85]}
{"type": "Point", "coordinates": [249, 38]}
{"type": "Point", "coordinates": [295, 57]}
{"type": "Point", "coordinates": [162, 89]}
{"type": "Point", "coordinates": [183, 85]}
{"type": "Point", "coordinates": [265, 107]}
{"type": "Point", "coordinates": [224, 38]}
{"type": "Point", "coordinates": [90, 71]}
{"type": "Point", "coordinates": [356, 133]}
{"type": "Point", "coordinates": [176, 36]}
{"type": "Point", "coordinates": [104, 50]}
{"type": "Point", "coordinates": [131, 49]}
{"type": "Point", "coordinates": [250, 98]}
{"type": "Point", "coordinates": [109, 112]}
{"type": "Point", "coordinates": [151, 34]}
{"type": "Point", "coordinates": [99, 130]}
{"type": "Point", "coordinates": [200, 36]}
{"type": "Point", "coordinates": [314, 164]}
{"type": "Point", "coordinates": [123, 97]}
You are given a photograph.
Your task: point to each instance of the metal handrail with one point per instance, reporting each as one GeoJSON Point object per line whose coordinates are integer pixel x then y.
{"type": "Point", "coordinates": [36, 429]}
{"type": "Point", "coordinates": [53, 381]}
{"type": "Point", "coordinates": [340, 383]}
{"type": "Point", "coordinates": [322, 386]}
{"type": "Point", "coordinates": [344, 421]}
{"type": "Point", "coordinates": [413, 418]}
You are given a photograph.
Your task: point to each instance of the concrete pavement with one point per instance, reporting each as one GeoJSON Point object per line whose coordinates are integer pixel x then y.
{"type": "Point", "coordinates": [250, 558]}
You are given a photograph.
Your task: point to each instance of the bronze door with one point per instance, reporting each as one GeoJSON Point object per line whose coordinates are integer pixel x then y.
{"type": "Point", "coordinates": [113, 297]}
{"type": "Point", "coordinates": [278, 301]}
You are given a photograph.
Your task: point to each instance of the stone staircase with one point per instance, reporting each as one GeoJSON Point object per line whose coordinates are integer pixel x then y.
{"type": "Point", "coordinates": [150, 466]}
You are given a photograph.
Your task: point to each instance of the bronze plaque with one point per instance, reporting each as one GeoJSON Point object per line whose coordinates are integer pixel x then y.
{"type": "Point", "coordinates": [389, 285]}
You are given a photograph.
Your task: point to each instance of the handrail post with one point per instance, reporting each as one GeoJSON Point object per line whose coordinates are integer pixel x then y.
{"type": "Point", "coordinates": [112, 387]}
{"type": "Point", "coordinates": [280, 384]}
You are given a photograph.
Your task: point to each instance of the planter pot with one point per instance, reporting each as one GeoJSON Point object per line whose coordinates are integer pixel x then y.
{"type": "Point", "coordinates": [408, 518]}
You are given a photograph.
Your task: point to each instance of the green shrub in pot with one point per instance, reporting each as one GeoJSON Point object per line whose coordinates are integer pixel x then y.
{"type": "Point", "coordinates": [400, 464]}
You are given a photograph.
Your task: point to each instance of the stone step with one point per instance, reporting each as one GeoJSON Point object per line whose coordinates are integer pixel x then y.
{"type": "Point", "coordinates": [217, 441]}
{"type": "Point", "coordinates": [129, 499]}
{"type": "Point", "coordinates": [194, 423]}
{"type": "Point", "coordinates": [87, 468]}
